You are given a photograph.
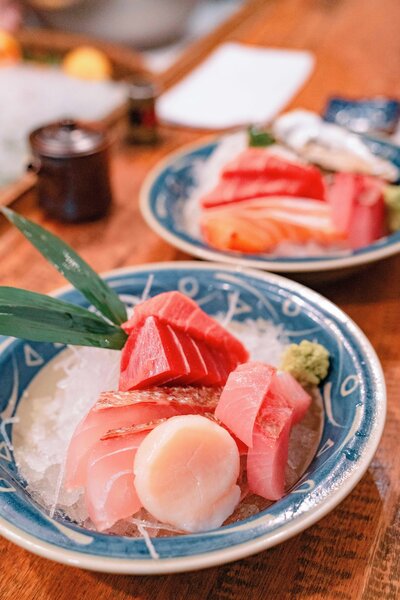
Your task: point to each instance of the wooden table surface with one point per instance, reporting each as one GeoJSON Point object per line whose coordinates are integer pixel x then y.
{"type": "Point", "coordinates": [354, 552]}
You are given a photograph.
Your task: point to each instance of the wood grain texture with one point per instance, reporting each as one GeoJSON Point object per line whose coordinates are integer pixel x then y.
{"type": "Point", "coordinates": [354, 552]}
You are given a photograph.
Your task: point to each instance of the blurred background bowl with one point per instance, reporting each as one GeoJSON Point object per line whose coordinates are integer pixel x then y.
{"type": "Point", "coordinates": [141, 23]}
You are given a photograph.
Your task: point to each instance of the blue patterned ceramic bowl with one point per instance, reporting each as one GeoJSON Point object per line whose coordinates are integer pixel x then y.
{"type": "Point", "coordinates": [169, 185]}
{"type": "Point", "coordinates": [354, 413]}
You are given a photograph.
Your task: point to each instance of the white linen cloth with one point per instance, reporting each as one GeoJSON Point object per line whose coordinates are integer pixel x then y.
{"type": "Point", "coordinates": [236, 85]}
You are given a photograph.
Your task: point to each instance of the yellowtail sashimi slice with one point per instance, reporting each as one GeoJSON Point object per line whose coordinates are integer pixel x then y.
{"type": "Point", "coordinates": [267, 458]}
{"type": "Point", "coordinates": [242, 397]}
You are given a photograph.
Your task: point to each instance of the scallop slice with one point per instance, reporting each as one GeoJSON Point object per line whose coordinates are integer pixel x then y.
{"type": "Point", "coordinates": [186, 471]}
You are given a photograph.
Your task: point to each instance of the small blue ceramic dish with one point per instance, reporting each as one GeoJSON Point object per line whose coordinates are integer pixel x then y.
{"type": "Point", "coordinates": [354, 413]}
{"type": "Point", "coordinates": [169, 185]}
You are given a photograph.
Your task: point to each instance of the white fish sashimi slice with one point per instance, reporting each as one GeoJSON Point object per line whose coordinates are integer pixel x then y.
{"type": "Point", "coordinates": [110, 493]}
{"type": "Point", "coordinates": [303, 205]}
{"type": "Point", "coordinates": [186, 472]}
{"type": "Point", "coordinates": [310, 221]}
{"type": "Point", "coordinates": [98, 423]}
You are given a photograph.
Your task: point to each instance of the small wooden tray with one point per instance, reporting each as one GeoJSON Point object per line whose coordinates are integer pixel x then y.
{"type": "Point", "coordinates": [50, 46]}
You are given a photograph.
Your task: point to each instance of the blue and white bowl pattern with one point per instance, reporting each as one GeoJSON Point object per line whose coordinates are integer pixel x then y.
{"type": "Point", "coordinates": [169, 185]}
{"type": "Point", "coordinates": [354, 412]}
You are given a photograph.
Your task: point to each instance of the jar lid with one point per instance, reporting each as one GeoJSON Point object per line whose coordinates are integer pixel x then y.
{"type": "Point", "coordinates": [67, 138]}
{"type": "Point", "coordinates": [141, 88]}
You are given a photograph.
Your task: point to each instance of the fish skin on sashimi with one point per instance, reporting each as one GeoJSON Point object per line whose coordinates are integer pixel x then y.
{"type": "Point", "coordinates": [182, 313]}
{"type": "Point", "coordinates": [242, 397]}
{"type": "Point", "coordinates": [96, 424]}
{"type": "Point", "coordinates": [110, 493]}
{"type": "Point", "coordinates": [198, 399]}
{"type": "Point", "coordinates": [267, 458]}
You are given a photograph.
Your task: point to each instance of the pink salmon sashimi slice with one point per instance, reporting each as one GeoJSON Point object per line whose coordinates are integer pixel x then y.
{"type": "Point", "coordinates": [257, 226]}
{"type": "Point", "coordinates": [96, 424]}
{"type": "Point", "coordinates": [110, 493]}
{"type": "Point", "coordinates": [242, 398]}
{"type": "Point", "coordinates": [267, 458]}
{"type": "Point", "coordinates": [286, 391]}
{"type": "Point", "coordinates": [184, 314]}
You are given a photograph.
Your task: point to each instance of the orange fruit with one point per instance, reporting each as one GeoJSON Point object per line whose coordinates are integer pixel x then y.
{"type": "Point", "coordinates": [86, 62]}
{"type": "Point", "coordinates": [10, 49]}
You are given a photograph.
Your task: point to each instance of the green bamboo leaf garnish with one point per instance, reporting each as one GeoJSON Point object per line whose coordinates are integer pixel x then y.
{"type": "Point", "coordinates": [72, 267]}
{"type": "Point", "coordinates": [41, 318]}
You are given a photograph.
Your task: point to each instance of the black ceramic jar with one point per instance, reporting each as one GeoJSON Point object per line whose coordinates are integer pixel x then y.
{"type": "Point", "coordinates": [71, 161]}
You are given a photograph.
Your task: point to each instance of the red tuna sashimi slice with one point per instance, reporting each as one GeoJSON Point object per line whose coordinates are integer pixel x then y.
{"type": "Point", "coordinates": [218, 366]}
{"type": "Point", "coordinates": [184, 314]}
{"type": "Point", "coordinates": [242, 397]}
{"type": "Point", "coordinates": [253, 162]}
{"type": "Point", "coordinates": [96, 424]}
{"type": "Point", "coordinates": [157, 357]}
{"type": "Point", "coordinates": [286, 391]}
{"type": "Point", "coordinates": [110, 493]}
{"type": "Point", "coordinates": [152, 357]}
{"type": "Point", "coordinates": [197, 367]}
{"type": "Point", "coordinates": [229, 191]}
{"type": "Point", "coordinates": [267, 458]}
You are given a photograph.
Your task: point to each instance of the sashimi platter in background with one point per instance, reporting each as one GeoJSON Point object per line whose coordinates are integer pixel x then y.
{"type": "Point", "coordinates": [309, 187]}
{"type": "Point", "coordinates": [303, 195]}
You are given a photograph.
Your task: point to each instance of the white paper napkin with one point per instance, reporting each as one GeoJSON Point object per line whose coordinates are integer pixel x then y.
{"type": "Point", "coordinates": [236, 85]}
